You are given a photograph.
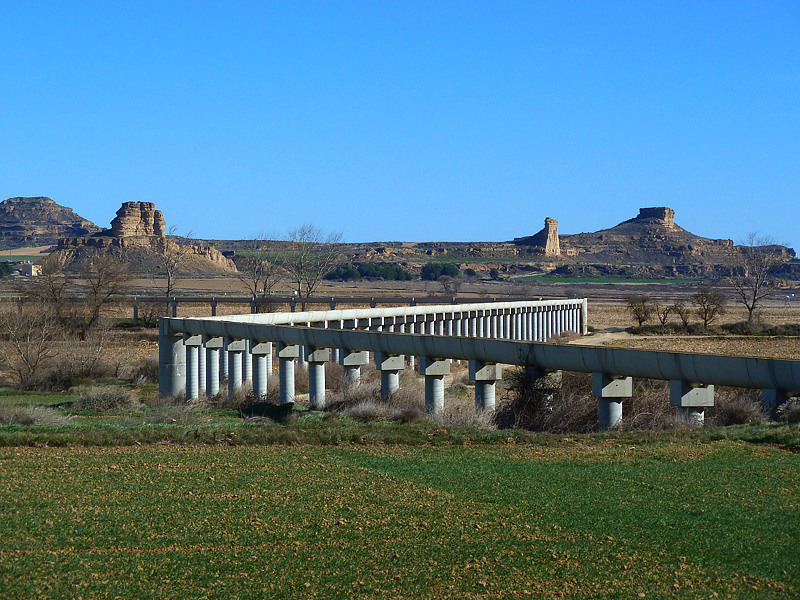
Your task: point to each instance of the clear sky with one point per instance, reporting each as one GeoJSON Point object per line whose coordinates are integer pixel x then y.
{"type": "Point", "coordinates": [407, 121]}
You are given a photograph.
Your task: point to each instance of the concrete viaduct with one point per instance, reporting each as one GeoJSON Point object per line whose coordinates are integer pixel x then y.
{"type": "Point", "coordinates": [195, 352]}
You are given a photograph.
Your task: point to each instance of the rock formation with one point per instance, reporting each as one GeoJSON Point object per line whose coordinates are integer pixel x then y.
{"type": "Point", "coordinates": [31, 222]}
{"type": "Point", "coordinates": [138, 235]}
{"type": "Point", "coordinates": [546, 239]}
{"type": "Point", "coordinates": [138, 219]}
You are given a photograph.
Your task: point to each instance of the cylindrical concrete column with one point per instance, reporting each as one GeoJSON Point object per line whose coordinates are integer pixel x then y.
{"type": "Point", "coordinates": [434, 393]}
{"type": "Point", "coordinates": [351, 375]}
{"type": "Point", "coordinates": [518, 326]}
{"type": "Point", "coordinates": [286, 374]}
{"type": "Point", "coordinates": [212, 371]}
{"type": "Point", "coordinates": [316, 385]}
{"type": "Point", "coordinates": [235, 371]}
{"type": "Point", "coordinates": [609, 412]}
{"type": "Point", "coordinates": [260, 376]}
{"type": "Point", "coordinates": [484, 395]}
{"type": "Point", "coordinates": [223, 359]}
{"type": "Point", "coordinates": [171, 361]}
{"type": "Point", "coordinates": [390, 382]}
{"type": "Point", "coordinates": [247, 362]}
{"type": "Point", "coordinates": [192, 372]}
{"type": "Point", "coordinates": [201, 370]}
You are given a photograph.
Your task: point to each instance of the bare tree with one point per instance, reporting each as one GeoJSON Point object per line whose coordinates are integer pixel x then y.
{"type": "Point", "coordinates": [33, 333]}
{"type": "Point", "coordinates": [639, 307]}
{"type": "Point", "coordinates": [106, 279]}
{"type": "Point", "coordinates": [259, 267]}
{"type": "Point", "coordinates": [450, 285]}
{"type": "Point", "coordinates": [752, 269]}
{"type": "Point", "coordinates": [710, 305]}
{"type": "Point", "coordinates": [309, 256]}
{"type": "Point", "coordinates": [683, 312]}
{"type": "Point", "coordinates": [662, 313]}
{"type": "Point", "coordinates": [170, 256]}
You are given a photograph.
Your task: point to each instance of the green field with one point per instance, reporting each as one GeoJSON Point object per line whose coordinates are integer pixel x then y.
{"type": "Point", "coordinates": [584, 517]}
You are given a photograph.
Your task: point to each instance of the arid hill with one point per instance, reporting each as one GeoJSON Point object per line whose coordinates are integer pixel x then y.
{"type": "Point", "coordinates": [27, 222]}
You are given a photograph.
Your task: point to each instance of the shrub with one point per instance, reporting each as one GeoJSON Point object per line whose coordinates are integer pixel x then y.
{"type": "Point", "coordinates": [736, 408]}
{"type": "Point", "coordinates": [147, 371]}
{"type": "Point", "coordinates": [32, 415]}
{"type": "Point", "coordinates": [789, 412]}
{"type": "Point", "coordinates": [106, 398]}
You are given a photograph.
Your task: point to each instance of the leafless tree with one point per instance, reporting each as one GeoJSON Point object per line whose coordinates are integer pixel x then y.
{"type": "Point", "coordinates": [662, 313]}
{"type": "Point", "coordinates": [309, 255]}
{"type": "Point", "coordinates": [710, 305]}
{"type": "Point", "coordinates": [170, 256]}
{"type": "Point", "coordinates": [33, 333]}
{"type": "Point", "coordinates": [450, 285]}
{"type": "Point", "coordinates": [752, 269]}
{"type": "Point", "coordinates": [683, 312]}
{"type": "Point", "coordinates": [259, 266]}
{"type": "Point", "coordinates": [106, 279]}
{"type": "Point", "coordinates": [639, 307]}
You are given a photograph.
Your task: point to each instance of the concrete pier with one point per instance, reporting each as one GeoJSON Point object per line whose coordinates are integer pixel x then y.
{"type": "Point", "coordinates": [286, 357]}
{"type": "Point", "coordinates": [316, 357]}
{"type": "Point", "coordinates": [171, 361]}
{"type": "Point", "coordinates": [485, 375]}
{"type": "Point", "coordinates": [261, 366]}
{"type": "Point", "coordinates": [390, 367]}
{"type": "Point", "coordinates": [610, 390]}
{"type": "Point", "coordinates": [213, 345]}
{"type": "Point", "coordinates": [691, 399]}
{"type": "Point", "coordinates": [434, 370]}
{"type": "Point", "coordinates": [351, 362]}
{"type": "Point", "coordinates": [236, 348]}
{"type": "Point", "coordinates": [193, 345]}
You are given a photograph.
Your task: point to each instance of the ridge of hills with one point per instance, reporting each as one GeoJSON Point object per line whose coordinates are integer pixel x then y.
{"type": "Point", "coordinates": [650, 245]}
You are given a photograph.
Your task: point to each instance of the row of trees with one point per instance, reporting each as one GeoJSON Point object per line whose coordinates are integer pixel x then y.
{"type": "Point", "coordinates": [707, 304]}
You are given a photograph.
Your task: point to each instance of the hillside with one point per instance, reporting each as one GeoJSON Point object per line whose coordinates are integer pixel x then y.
{"type": "Point", "coordinates": [27, 222]}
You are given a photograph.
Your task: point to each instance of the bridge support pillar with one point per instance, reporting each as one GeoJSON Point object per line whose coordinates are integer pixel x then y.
{"type": "Point", "coordinates": [236, 350]}
{"type": "Point", "coordinates": [390, 367]}
{"type": "Point", "coordinates": [171, 361]}
{"type": "Point", "coordinates": [212, 346]}
{"type": "Point", "coordinates": [286, 357]}
{"type": "Point", "coordinates": [351, 362]}
{"type": "Point", "coordinates": [260, 352]}
{"type": "Point", "coordinates": [485, 376]}
{"type": "Point", "coordinates": [316, 357]}
{"type": "Point", "coordinates": [609, 391]}
{"type": "Point", "coordinates": [691, 399]}
{"type": "Point", "coordinates": [434, 370]}
{"type": "Point", "coordinates": [192, 344]}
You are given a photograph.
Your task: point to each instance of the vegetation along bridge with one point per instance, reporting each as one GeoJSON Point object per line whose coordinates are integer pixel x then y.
{"type": "Point", "coordinates": [194, 353]}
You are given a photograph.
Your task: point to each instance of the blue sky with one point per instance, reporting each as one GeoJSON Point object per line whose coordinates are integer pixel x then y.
{"type": "Point", "coordinates": [407, 121]}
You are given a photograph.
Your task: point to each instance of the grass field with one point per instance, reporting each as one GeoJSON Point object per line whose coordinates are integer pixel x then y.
{"type": "Point", "coordinates": [591, 518]}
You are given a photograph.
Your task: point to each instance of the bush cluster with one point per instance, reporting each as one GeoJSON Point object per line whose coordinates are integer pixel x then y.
{"type": "Point", "coordinates": [385, 271]}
